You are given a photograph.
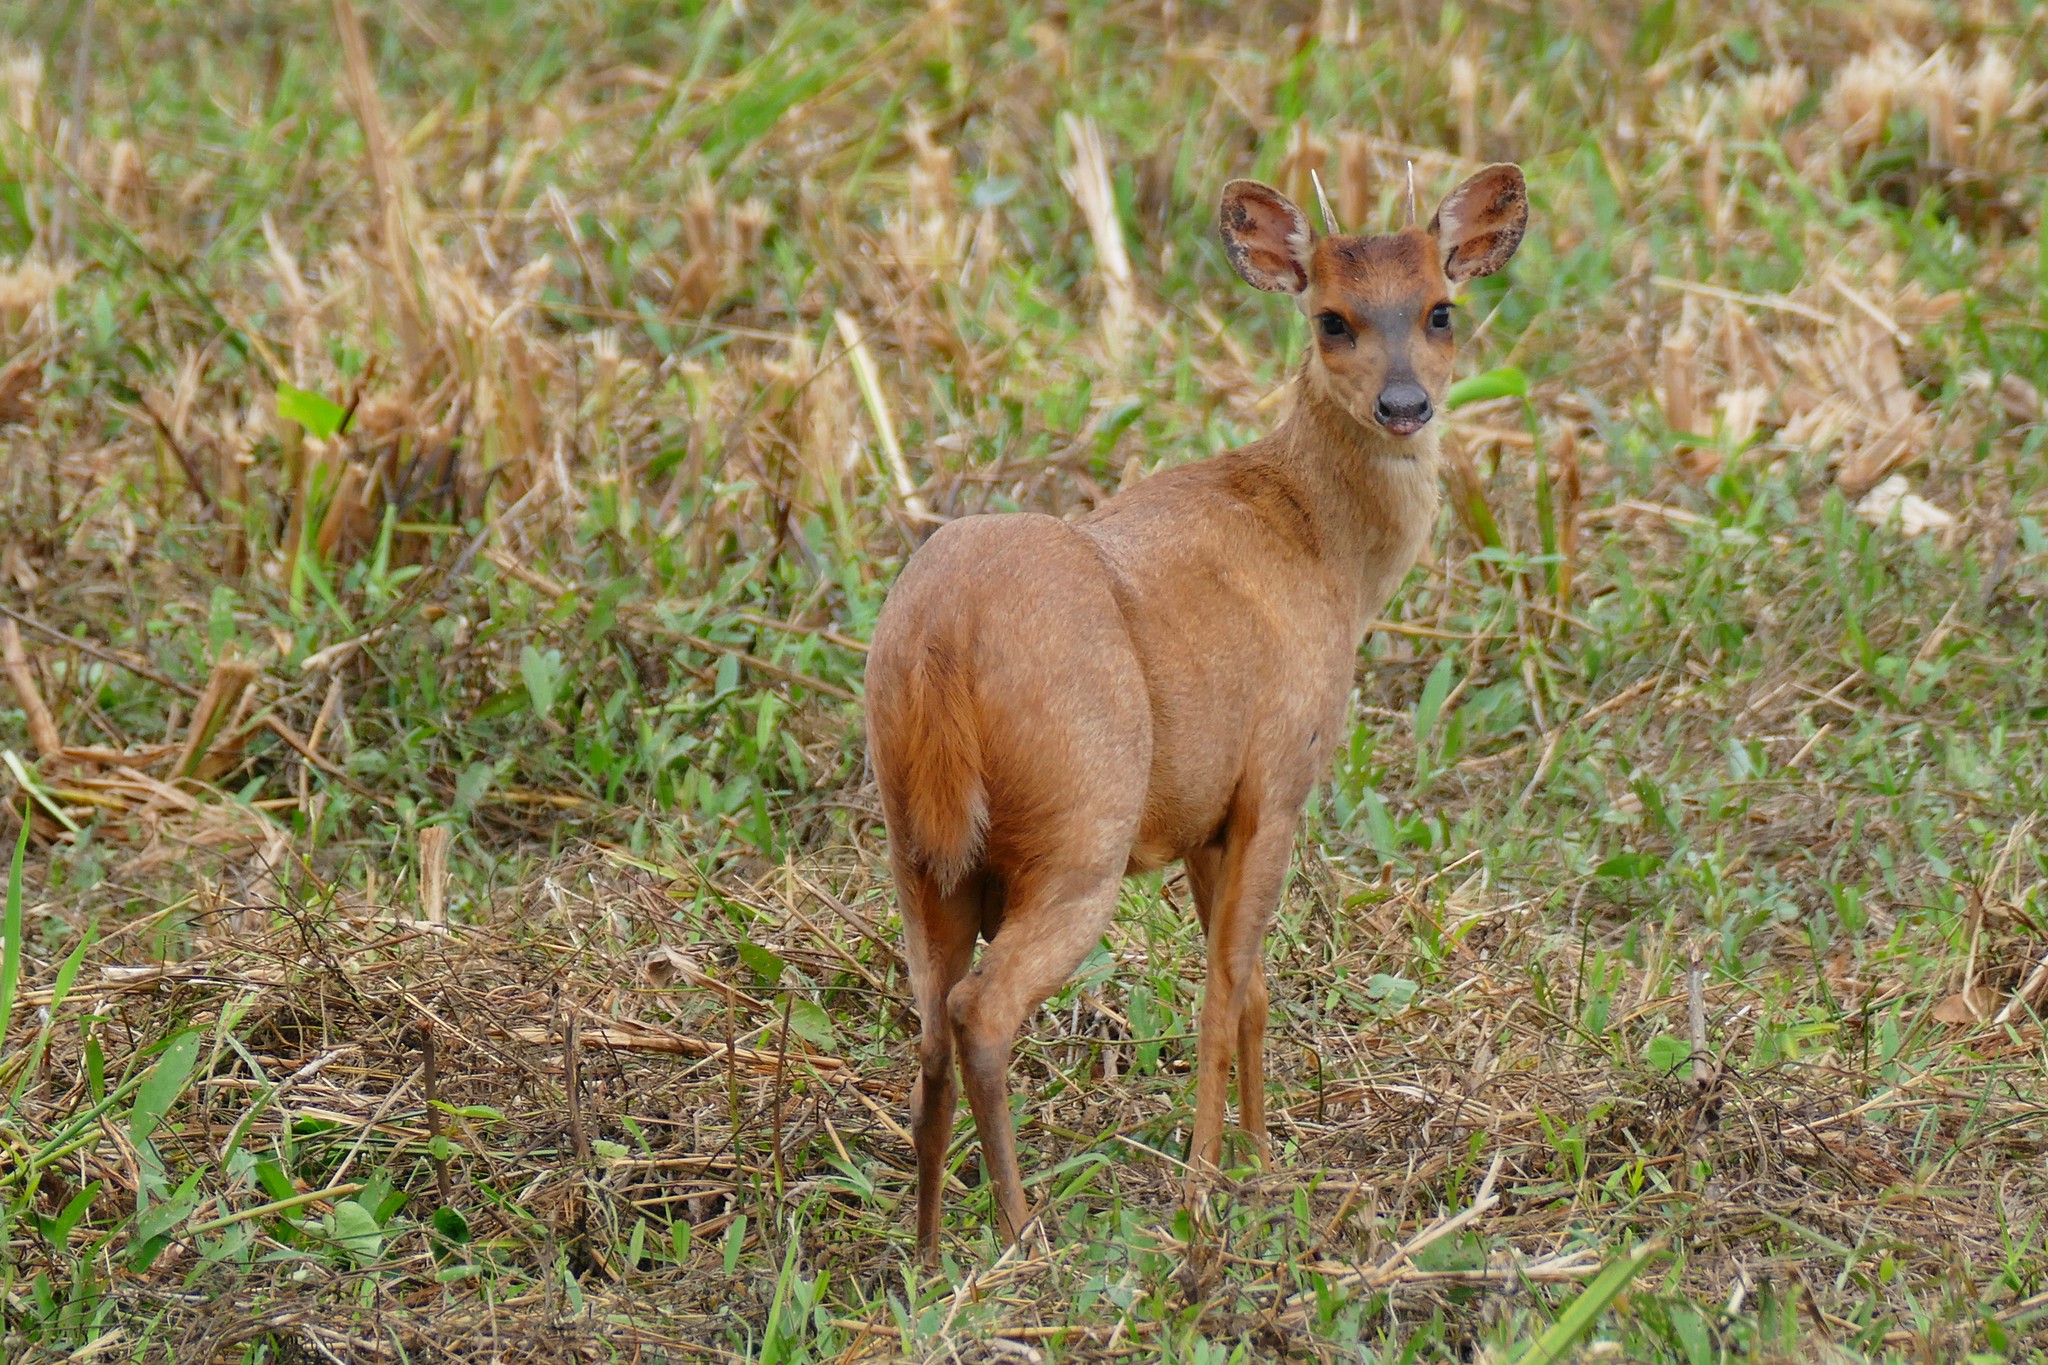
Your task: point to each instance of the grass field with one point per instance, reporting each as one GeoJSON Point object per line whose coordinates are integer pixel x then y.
{"type": "Point", "coordinates": [454, 452]}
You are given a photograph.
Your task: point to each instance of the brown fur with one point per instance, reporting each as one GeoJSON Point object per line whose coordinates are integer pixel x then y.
{"type": "Point", "coordinates": [938, 797]}
{"type": "Point", "coordinates": [1052, 707]}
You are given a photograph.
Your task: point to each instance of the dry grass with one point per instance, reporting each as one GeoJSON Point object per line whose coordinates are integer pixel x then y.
{"type": "Point", "coordinates": [452, 458]}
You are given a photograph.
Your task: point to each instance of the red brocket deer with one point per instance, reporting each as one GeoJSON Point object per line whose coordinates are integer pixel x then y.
{"type": "Point", "coordinates": [1054, 706]}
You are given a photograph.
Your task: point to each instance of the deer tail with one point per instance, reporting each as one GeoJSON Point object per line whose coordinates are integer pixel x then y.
{"type": "Point", "coordinates": [936, 795]}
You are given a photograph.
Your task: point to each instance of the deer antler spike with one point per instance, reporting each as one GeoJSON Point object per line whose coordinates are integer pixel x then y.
{"type": "Point", "coordinates": [1329, 218]}
{"type": "Point", "coordinates": [1411, 194]}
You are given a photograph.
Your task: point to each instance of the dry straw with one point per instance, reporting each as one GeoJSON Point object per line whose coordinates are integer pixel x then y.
{"type": "Point", "coordinates": [1088, 181]}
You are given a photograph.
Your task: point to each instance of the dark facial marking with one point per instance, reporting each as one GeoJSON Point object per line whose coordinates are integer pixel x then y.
{"type": "Point", "coordinates": [1392, 322]}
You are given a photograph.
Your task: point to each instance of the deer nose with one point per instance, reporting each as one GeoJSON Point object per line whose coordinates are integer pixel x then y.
{"type": "Point", "coordinates": [1403, 408]}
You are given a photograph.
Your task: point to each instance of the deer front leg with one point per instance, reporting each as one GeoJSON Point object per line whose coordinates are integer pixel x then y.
{"type": "Point", "coordinates": [1205, 881]}
{"type": "Point", "coordinates": [1244, 890]}
{"type": "Point", "coordinates": [1251, 1063]}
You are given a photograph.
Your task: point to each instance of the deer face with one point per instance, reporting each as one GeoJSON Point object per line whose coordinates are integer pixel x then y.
{"type": "Point", "coordinates": [1379, 307]}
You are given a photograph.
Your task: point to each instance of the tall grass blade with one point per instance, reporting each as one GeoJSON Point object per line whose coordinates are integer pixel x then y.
{"type": "Point", "coordinates": [1546, 503]}
{"type": "Point", "coordinates": [1584, 1311]}
{"type": "Point", "coordinates": [870, 384]}
{"type": "Point", "coordinates": [165, 1083]}
{"type": "Point", "coordinates": [10, 927]}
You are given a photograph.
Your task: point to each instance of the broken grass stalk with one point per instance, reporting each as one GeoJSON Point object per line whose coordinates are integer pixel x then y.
{"type": "Point", "coordinates": [894, 467]}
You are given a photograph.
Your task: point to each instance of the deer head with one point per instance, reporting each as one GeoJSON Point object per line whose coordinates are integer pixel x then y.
{"type": "Point", "coordinates": [1379, 307]}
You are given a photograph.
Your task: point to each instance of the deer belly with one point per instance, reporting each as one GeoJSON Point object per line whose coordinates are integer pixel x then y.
{"type": "Point", "coordinates": [1181, 815]}
{"type": "Point", "coordinates": [1149, 858]}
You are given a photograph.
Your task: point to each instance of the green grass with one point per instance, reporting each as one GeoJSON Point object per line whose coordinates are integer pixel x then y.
{"type": "Point", "coordinates": [550, 507]}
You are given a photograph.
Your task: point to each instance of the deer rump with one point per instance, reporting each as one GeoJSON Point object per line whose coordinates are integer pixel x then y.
{"type": "Point", "coordinates": [1009, 723]}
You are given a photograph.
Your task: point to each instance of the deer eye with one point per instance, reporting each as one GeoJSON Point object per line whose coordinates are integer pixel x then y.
{"type": "Point", "coordinates": [1440, 317]}
{"type": "Point", "coordinates": [1333, 325]}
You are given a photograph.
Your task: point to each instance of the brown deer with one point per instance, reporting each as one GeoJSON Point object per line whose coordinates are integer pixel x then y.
{"type": "Point", "coordinates": [1055, 706]}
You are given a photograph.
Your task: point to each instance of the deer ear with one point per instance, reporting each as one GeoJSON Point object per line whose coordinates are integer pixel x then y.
{"type": "Point", "coordinates": [1265, 237]}
{"type": "Point", "coordinates": [1480, 223]}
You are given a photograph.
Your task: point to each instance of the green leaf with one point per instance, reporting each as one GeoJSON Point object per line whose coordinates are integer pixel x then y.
{"type": "Point", "coordinates": [510, 702]}
{"type": "Point", "coordinates": [473, 784]}
{"type": "Point", "coordinates": [58, 1230]}
{"type": "Point", "coordinates": [320, 415]}
{"type": "Point", "coordinates": [452, 1225]}
{"type": "Point", "coordinates": [1433, 694]}
{"type": "Point", "coordinates": [1626, 865]}
{"type": "Point", "coordinates": [275, 1182]}
{"type": "Point", "coordinates": [774, 1340]}
{"type": "Point", "coordinates": [1505, 382]}
{"type": "Point", "coordinates": [1666, 1055]}
{"type": "Point", "coordinates": [572, 1288]}
{"type": "Point", "coordinates": [156, 1095]}
{"type": "Point", "coordinates": [1392, 991]}
{"type": "Point", "coordinates": [1653, 31]}
{"type": "Point", "coordinates": [101, 323]}
{"type": "Point", "coordinates": [154, 1231]}
{"type": "Point", "coordinates": [808, 1021]}
{"type": "Point", "coordinates": [381, 1199]}
{"type": "Point", "coordinates": [1580, 1316]}
{"type": "Point", "coordinates": [356, 1232]}
{"type": "Point", "coordinates": [765, 964]}
{"type": "Point", "coordinates": [1691, 1333]}
{"type": "Point", "coordinates": [995, 191]}
{"type": "Point", "coordinates": [735, 1238]}
{"type": "Point", "coordinates": [1116, 422]}
{"type": "Point", "coordinates": [68, 971]}
{"type": "Point", "coordinates": [25, 777]}
{"type": "Point", "coordinates": [663, 464]}
{"type": "Point", "coordinates": [542, 673]}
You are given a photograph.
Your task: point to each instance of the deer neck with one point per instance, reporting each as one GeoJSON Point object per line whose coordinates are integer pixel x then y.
{"type": "Point", "coordinates": [1373, 494]}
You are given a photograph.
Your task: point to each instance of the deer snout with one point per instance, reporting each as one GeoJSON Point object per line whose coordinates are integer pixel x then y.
{"type": "Point", "coordinates": [1403, 407]}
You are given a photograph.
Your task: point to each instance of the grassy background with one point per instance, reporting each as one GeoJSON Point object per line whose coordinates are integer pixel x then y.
{"type": "Point", "coordinates": [453, 453]}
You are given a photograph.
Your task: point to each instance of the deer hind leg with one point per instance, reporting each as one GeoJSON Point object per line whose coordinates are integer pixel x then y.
{"type": "Point", "coordinates": [940, 944]}
{"type": "Point", "coordinates": [1237, 889]}
{"type": "Point", "coordinates": [1049, 926]}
